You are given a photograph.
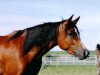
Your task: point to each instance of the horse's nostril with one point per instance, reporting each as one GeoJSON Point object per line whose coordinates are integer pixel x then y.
{"type": "Point", "coordinates": [86, 53]}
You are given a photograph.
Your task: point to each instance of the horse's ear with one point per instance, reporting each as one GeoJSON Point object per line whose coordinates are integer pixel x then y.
{"type": "Point", "coordinates": [70, 18]}
{"type": "Point", "coordinates": [76, 20]}
{"type": "Point", "coordinates": [67, 21]}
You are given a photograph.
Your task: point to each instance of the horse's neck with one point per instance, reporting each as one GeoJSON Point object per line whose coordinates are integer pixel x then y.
{"type": "Point", "coordinates": [37, 53]}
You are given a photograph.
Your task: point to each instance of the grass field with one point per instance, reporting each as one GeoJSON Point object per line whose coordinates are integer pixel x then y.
{"type": "Point", "coordinates": [69, 70]}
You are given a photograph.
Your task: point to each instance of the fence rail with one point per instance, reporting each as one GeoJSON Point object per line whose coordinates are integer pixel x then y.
{"type": "Point", "coordinates": [68, 60]}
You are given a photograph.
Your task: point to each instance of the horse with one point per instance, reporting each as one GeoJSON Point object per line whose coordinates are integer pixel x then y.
{"type": "Point", "coordinates": [98, 58]}
{"type": "Point", "coordinates": [21, 52]}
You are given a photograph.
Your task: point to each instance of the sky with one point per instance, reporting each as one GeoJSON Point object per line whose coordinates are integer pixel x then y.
{"type": "Point", "coordinates": [20, 14]}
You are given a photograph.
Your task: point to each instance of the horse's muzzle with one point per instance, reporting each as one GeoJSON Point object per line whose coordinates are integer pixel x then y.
{"type": "Point", "coordinates": [85, 55]}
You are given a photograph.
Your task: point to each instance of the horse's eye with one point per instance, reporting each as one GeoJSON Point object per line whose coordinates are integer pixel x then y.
{"type": "Point", "coordinates": [70, 33]}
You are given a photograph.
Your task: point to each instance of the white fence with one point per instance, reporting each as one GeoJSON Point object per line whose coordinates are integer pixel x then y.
{"type": "Point", "coordinates": [68, 60]}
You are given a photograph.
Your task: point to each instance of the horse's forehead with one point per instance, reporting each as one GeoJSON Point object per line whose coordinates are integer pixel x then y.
{"type": "Point", "coordinates": [72, 29]}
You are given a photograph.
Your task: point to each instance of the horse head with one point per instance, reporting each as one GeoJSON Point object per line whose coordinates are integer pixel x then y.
{"type": "Point", "coordinates": [69, 39]}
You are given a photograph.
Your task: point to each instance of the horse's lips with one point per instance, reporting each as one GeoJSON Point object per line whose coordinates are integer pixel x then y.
{"type": "Point", "coordinates": [80, 57]}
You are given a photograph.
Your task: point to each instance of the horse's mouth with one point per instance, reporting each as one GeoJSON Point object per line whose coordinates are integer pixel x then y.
{"type": "Point", "coordinates": [82, 57]}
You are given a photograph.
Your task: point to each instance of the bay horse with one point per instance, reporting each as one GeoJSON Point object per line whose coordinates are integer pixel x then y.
{"type": "Point", "coordinates": [98, 58]}
{"type": "Point", "coordinates": [21, 52]}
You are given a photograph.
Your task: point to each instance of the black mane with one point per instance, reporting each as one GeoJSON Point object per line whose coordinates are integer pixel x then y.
{"type": "Point", "coordinates": [40, 36]}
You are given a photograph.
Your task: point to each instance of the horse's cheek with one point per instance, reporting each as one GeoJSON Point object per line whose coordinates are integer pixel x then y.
{"type": "Point", "coordinates": [63, 44]}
